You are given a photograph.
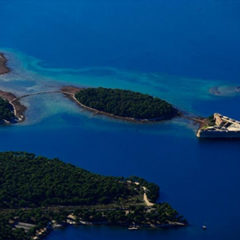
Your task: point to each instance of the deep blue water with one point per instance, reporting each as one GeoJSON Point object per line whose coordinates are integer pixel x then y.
{"type": "Point", "coordinates": [175, 49]}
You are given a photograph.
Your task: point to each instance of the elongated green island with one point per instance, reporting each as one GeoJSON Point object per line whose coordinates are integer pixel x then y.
{"type": "Point", "coordinates": [38, 194]}
{"type": "Point", "coordinates": [123, 104]}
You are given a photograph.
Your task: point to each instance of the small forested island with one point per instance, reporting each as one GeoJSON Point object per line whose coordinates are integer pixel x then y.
{"type": "Point", "coordinates": [123, 104]}
{"type": "Point", "coordinates": [38, 194]}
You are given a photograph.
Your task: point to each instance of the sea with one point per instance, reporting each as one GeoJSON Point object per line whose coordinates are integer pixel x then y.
{"type": "Point", "coordinates": [173, 49]}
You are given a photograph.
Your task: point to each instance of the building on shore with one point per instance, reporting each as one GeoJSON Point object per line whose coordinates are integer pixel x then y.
{"type": "Point", "coordinates": [223, 127]}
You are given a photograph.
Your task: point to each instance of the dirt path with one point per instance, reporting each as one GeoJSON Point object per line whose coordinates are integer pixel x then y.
{"type": "Point", "coordinates": [145, 198]}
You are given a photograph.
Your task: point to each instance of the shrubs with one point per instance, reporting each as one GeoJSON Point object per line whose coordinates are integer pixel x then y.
{"type": "Point", "coordinates": [30, 181]}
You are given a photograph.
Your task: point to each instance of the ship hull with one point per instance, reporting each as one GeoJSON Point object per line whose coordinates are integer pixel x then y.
{"type": "Point", "coordinates": [218, 134]}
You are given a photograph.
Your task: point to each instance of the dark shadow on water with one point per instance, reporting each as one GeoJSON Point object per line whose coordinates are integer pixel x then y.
{"type": "Point", "coordinates": [218, 140]}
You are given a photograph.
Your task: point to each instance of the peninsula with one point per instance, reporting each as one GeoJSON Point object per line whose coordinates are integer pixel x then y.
{"type": "Point", "coordinates": [38, 194]}
{"type": "Point", "coordinates": [122, 104]}
{"type": "Point", "coordinates": [3, 64]}
{"type": "Point", "coordinates": [219, 126]}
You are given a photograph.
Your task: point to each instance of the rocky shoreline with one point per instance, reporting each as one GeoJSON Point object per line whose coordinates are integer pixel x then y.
{"type": "Point", "coordinates": [3, 64]}
{"type": "Point", "coordinates": [71, 221]}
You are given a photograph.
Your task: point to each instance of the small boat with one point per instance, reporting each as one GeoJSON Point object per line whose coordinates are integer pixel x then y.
{"type": "Point", "coordinates": [133, 228]}
{"type": "Point", "coordinates": [204, 227]}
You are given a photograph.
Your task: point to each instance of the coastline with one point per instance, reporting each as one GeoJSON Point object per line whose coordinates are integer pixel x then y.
{"type": "Point", "coordinates": [18, 108]}
{"type": "Point", "coordinates": [3, 64]}
{"type": "Point", "coordinates": [130, 203]}
{"type": "Point", "coordinates": [44, 232]}
{"type": "Point", "coordinates": [70, 91]}
{"type": "Point", "coordinates": [70, 219]}
{"type": "Point", "coordinates": [73, 220]}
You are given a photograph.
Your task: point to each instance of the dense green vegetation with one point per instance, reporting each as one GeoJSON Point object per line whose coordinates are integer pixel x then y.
{"type": "Point", "coordinates": [37, 190]}
{"type": "Point", "coordinates": [30, 181]}
{"type": "Point", "coordinates": [126, 103]}
{"type": "Point", "coordinates": [6, 110]}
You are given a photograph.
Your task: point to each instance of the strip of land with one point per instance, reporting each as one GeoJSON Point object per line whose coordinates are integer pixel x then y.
{"type": "Point", "coordinates": [3, 64]}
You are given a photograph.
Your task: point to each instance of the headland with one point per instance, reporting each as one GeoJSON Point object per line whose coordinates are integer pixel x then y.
{"type": "Point", "coordinates": [50, 194]}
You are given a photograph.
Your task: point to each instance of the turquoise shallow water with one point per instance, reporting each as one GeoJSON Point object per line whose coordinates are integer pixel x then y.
{"type": "Point", "coordinates": [174, 49]}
